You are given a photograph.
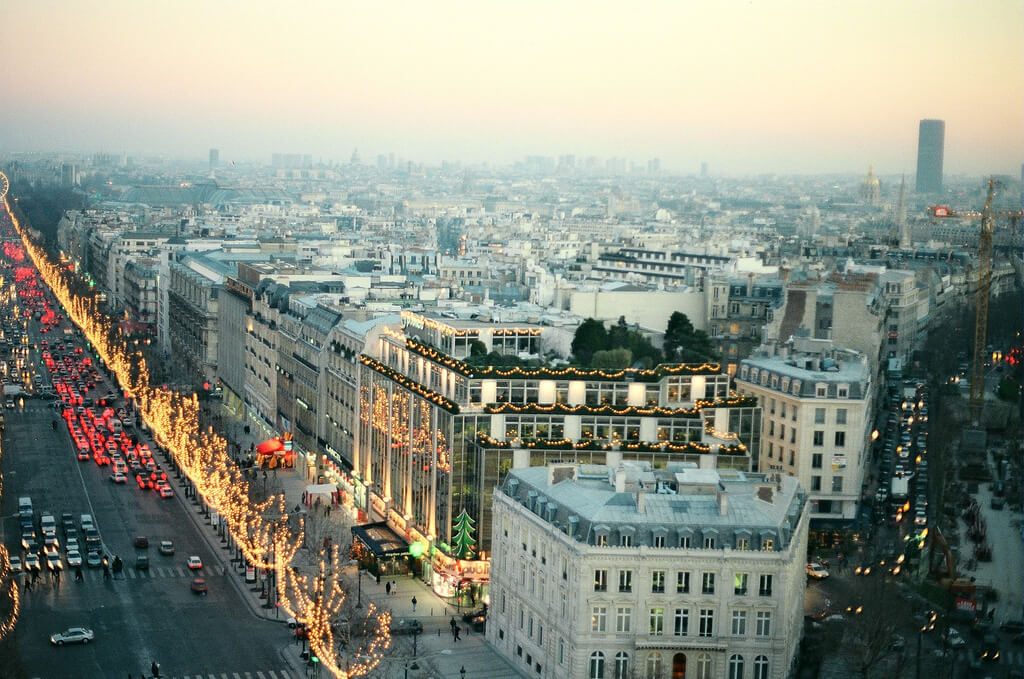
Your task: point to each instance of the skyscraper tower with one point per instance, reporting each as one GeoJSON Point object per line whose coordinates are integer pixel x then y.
{"type": "Point", "coordinates": [930, 145]}
{"type": "Point", "coordinates": [903, 229]}
{"type": "Point", "coordinates": [214, 158]}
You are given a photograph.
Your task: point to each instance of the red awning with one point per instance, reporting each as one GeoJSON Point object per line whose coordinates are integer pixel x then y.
{"type": "Point", "coordinates": [270, 446]}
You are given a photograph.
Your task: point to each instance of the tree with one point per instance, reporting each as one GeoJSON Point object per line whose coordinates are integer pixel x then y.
{"type": "Point", "coordinates": [462, 538]}
{"type": "Point", "coordinates": [590, 337]}
{"type": "Point", "coordinates": [612, 359]}
{"type": "Point", "coordinates": [477, 348]}
{"type": "Point", "coordinates": [685, 344]}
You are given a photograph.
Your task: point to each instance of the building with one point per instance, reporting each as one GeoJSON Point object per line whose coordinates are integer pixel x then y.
{"type": "Point", "coordinates": [214, 158]}
{"type": "Point", "coordinates": [623, 570]}
{"type": "Point", "coordinates": [931, 140]}
{"type": "Point", "coordinates": [817, 403]}
{"type": "Point", "coordinates": [437, 433]}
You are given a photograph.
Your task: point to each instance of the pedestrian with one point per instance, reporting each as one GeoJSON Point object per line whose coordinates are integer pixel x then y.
{"type": "Point", "coordinates": [387, 589]}
{"type": "Point", "coordinates": [456, 631]}
{"type": "Point", "coordinates": [78, 575]}
{"type": "Point", "coordinates": [414, 604]}
{"type": "Point", "coordinates": [453, 624]}
{"type": "Point", "coordinates": [394, 586]}
{"type": "Point", "coordinates": [28, 586]}
{"type": "Point", "coordinates": [328, 510]}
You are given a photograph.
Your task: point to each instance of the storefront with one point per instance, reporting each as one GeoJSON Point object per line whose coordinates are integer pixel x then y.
{"type": "Point", "coordinates": [380, 550]}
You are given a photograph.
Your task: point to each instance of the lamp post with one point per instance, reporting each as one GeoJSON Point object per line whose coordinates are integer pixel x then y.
{"type": "Point", "coordinates": [359, 585]}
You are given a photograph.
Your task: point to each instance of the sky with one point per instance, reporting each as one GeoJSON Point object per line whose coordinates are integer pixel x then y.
{"type": "Point", "coordinates": [788, 87]}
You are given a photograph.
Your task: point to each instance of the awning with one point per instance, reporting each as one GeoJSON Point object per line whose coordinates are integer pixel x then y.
{"type": "Point", "coordinates": [270, 446]}
{"type": "Point", "coordinates": [380, 539]}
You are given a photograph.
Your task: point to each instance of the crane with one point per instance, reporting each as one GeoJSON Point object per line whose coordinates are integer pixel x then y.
{"type": "Point", "coordinates": [987, 217]}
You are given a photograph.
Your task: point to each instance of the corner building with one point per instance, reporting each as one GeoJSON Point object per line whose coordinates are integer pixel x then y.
{"type": "Point", "coordinates": [620, 571]}
{"type": "Point", "coordinates": [437, 434]}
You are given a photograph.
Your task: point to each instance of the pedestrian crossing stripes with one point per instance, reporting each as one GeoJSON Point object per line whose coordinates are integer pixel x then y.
{"type": "Point", "coordinates": [154, 572]}
{"type": "Point", "coordinates": [268, 674]}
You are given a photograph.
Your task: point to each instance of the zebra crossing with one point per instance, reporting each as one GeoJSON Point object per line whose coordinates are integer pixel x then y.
{"type": "Point", "coordinates": [154, 572]}
{"type": "Point", "coordinates": [268, 674]}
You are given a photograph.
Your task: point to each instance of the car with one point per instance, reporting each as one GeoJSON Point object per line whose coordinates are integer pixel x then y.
{"type": "Point", "coordinates": [10, 403]}
{"type": "Point", "coordinates": [199, 586]}
{"type": "Point", "coordinates": [53, 561]}
{"type": "Point", "coordinates": [29, 542]}
{"type": "Point", "coordinates": [816, 571]}
{"type": "Point", "coordinates": [72, 635]}
{"type": "Point", "coordinates": [75, 558]}
{"type": "Point", "coordinates": [400, 627]}
{"type": "Point", "coordinates": [953, 639]}
{"type": "Point", "coordinates": [16, 565]}
{"type": "Point", "coordinates": [166, 492]}
{"type": "Point", "coordinates": [142, 563]}
{"type": "Point", "coordinates": [93, 559]}
{"type": "Point", "coordinates": [141, 542]}
{"type": "Point", "coordinates": [195, 563]}
{"type": "Point", "coordinates": [83, 454]}
{"type": "Point", "coordinates": [989, 648]}
{"type": "Point", "coordinates": [32, 562]}
{"type": "Point", "coordinates": [118, 477]}
{"type": "Point", "coordinates": [166, 547]}
{"type": "Point", "coordinates": [71, 545]}
{"type": "Point", "coordinates": [863, 568]}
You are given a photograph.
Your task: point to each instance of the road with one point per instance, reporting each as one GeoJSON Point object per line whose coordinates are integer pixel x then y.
{"type": "Point", "coordinates": [143, 617]}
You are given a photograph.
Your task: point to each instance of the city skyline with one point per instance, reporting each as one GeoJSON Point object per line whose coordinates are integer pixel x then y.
{"type": "Point", "coordinates": [790, 88]}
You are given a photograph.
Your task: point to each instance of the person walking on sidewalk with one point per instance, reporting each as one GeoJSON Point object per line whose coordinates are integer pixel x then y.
{"type": "Point", "coordinates": [387, 589]}
{"type": "Point", "coordinates": [414, 604]}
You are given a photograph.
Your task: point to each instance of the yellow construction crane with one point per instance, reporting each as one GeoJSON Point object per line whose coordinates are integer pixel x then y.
{"type": "Point", "coordinates": [987, 218]}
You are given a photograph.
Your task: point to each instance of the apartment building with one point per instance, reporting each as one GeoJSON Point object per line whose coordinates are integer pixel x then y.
{"type": "Point", "coordinates": [817, 403]}
{"type": "Point", "coordinates": [625, 570]}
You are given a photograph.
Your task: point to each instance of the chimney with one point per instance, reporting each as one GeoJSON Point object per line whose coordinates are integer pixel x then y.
{"type": "Point", "coordinates": [620, 480]}
{"type": "Point", "coordinates": [750, 284]}
{"type": "Point", "coordinates": [723, 501]}
{"type": "Point", "coordinates": [641, 501]}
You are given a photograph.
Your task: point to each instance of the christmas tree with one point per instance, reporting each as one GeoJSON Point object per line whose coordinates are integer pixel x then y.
{"type": "Point", "coordinates": [462, 540]}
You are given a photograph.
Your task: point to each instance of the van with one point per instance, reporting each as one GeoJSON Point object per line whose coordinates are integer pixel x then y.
{"type": "Point", "coordinates": [87, 523]}
{"type": "Point", "coordinates": [47, 524]}
{"type": "Point", "coordinates": [25, 507]}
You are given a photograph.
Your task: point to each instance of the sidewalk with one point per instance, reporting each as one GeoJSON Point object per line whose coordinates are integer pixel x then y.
{"type": "Point", "coordinates": [439, 655]}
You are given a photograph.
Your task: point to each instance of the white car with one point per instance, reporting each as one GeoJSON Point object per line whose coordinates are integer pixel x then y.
{"type": "Point", "coordinates": [16, 564]}
{"type": "Point", "coordinates": [73, 635]}
{"type": "Point", "coordinates": [817, 571]}
{"type": "Point", "coordinates": [74, 558]}
{"type": "Point", "coordinates": [195, 563]}
{"type": "Point", "coordinates": [31, 562]}
{"type": "Point", "coordinates": [53, 561]}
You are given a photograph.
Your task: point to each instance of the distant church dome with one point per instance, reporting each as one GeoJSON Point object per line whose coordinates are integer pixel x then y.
{"type": "Point", "coordinates": [871, 189]}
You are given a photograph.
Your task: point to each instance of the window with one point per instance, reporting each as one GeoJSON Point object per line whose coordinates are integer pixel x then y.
{"type": "Point", "coordinates": [540, 635]}
{"type": "Point", "coordinates": [654, 666]}
{"type": "Point", "coordinates": [623, 619]}
{"type": "Point", "coordinates": [841, 416]}
{"type": "Point", "coordinates": [625, 541]}
{"type": "Point", "coordinates": [771, 427]}
{"type": "Point", "coordinates": [707, 583]}
{"type": "Point", "coordinates": [601, 540]}
{"type": "Point", "coordinates": [764, 623]}
{"type": "Point", "coordinates": [837, 484]}
{"type": "Point", "coordinates": [742, 543]}
{"type": "Point", "coordinates": [658, 582]}
{"type": "Point", "coordinates": [657, 626]}
{"type": "Point", "coordinates": [704, 666]}
{"type": "Point", "coordinates": [601, 580]}
{"type": "Point", "coordinates": [782, 431]}
{"type": "Point", "coordinates": [736, 666]}
{"type": "Point", "coordinates": [842, 391]}
{"type": "Point", "coordinates": [597, 665]}
{"type": "Point", "coordinates": [764, 587]}
{"type": "Point", "coordinates": [840, 439]}
{"type": "Point", "coordinates": [684, 541]}
{"type": "Point", "coordinates": [709, 543]}
{"type": "Point", "coordinates": [792, 457]}
{"type": "Point", "coordinates": [767, 544]}
{"type": "Point", "coordinates": [739, 584]}
{"type": "Point", "coordinates": [707, 622]}
{"type": "Point", "coordinates": [761, 667]}
{"type": "Point", "coordinates": [626, 581]}
{"type": "Point", "coordinates": [683, 582]}
{"type": "Point", "coordinates": [522, 618]}
{"type": "Point", "coordinates": [599, 619]}
{"type": "Point", "coordinates": [659, 541]}
{"type": "Point", "coordinates": [739, 623]}
{"type": "Point", "coordinates": [816, 459]}
{"type": "Point", "coordinates": [621, 665]}
{"type": "Point", "coordinates": [819, 416]}
{"type": "Point", "coordinates": [561, 651]}
{"type": "Point", "coordinates": [821, 390]}
{"type": "Point", "coordinates": [819, 438]}
{"type": "Point", "coordinates": [681, 622]}
{"type": "Point", "coordinates": [815, 483]}
{"type": "Point", "coordinates": [782, 406]}
{"type": "Point", "coordinates": [529, 628]}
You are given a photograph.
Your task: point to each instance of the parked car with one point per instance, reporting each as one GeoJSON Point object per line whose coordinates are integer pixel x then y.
{"type": "Point", "coordinates": [72, 635]}
{"type": "Point", "coordinates": [400, 627]}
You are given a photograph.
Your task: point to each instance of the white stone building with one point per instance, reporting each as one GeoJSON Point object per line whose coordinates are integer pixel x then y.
{"type": "Point", "coordinates": [817, 402]}
{"type": "Point", "coordinates": [627, 571]}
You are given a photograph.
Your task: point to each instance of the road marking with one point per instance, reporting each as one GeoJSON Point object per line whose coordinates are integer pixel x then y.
{"type": "Point", "coordinates": [260, 675]}
{"type": "Point", "coordinates": [181, 571]}
{"type": "Point", "coordinates": [273, 675]}
{"type": "Point", "coordinates": [131, 573]}
{"type": "Point", "coordinates": [235, 675]}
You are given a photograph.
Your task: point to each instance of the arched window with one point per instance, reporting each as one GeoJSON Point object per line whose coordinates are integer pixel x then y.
{"type": "Point", "coordinates": [654, 666]}
{"type": "Point", "coordinates": [736, 667]}
{"type": "Point", "coordinates": [704, 666]}
{"type": "Point", "coordinates": [597, 665]}
{"type": "Point", "coordinates": [761, 667]}
{"type": "Point", "coordinates": [622, 665]}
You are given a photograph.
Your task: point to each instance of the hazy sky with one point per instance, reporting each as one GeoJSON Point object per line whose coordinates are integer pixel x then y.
{"type": "Point", "coordinates": [789, 87]}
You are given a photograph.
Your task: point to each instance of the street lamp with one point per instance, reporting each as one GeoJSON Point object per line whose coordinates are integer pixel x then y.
{"type": "Point", "coordinates": [359, 587]}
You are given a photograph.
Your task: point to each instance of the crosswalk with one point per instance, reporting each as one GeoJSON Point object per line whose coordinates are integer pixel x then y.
{"type": "Point", "coordinates": [154, 572]}
{"type": "Point", "coordinates": [269, 674]}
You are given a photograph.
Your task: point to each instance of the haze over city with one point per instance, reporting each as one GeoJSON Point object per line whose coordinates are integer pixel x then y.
{"type": "Point", "coordinates": [786, 87]}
